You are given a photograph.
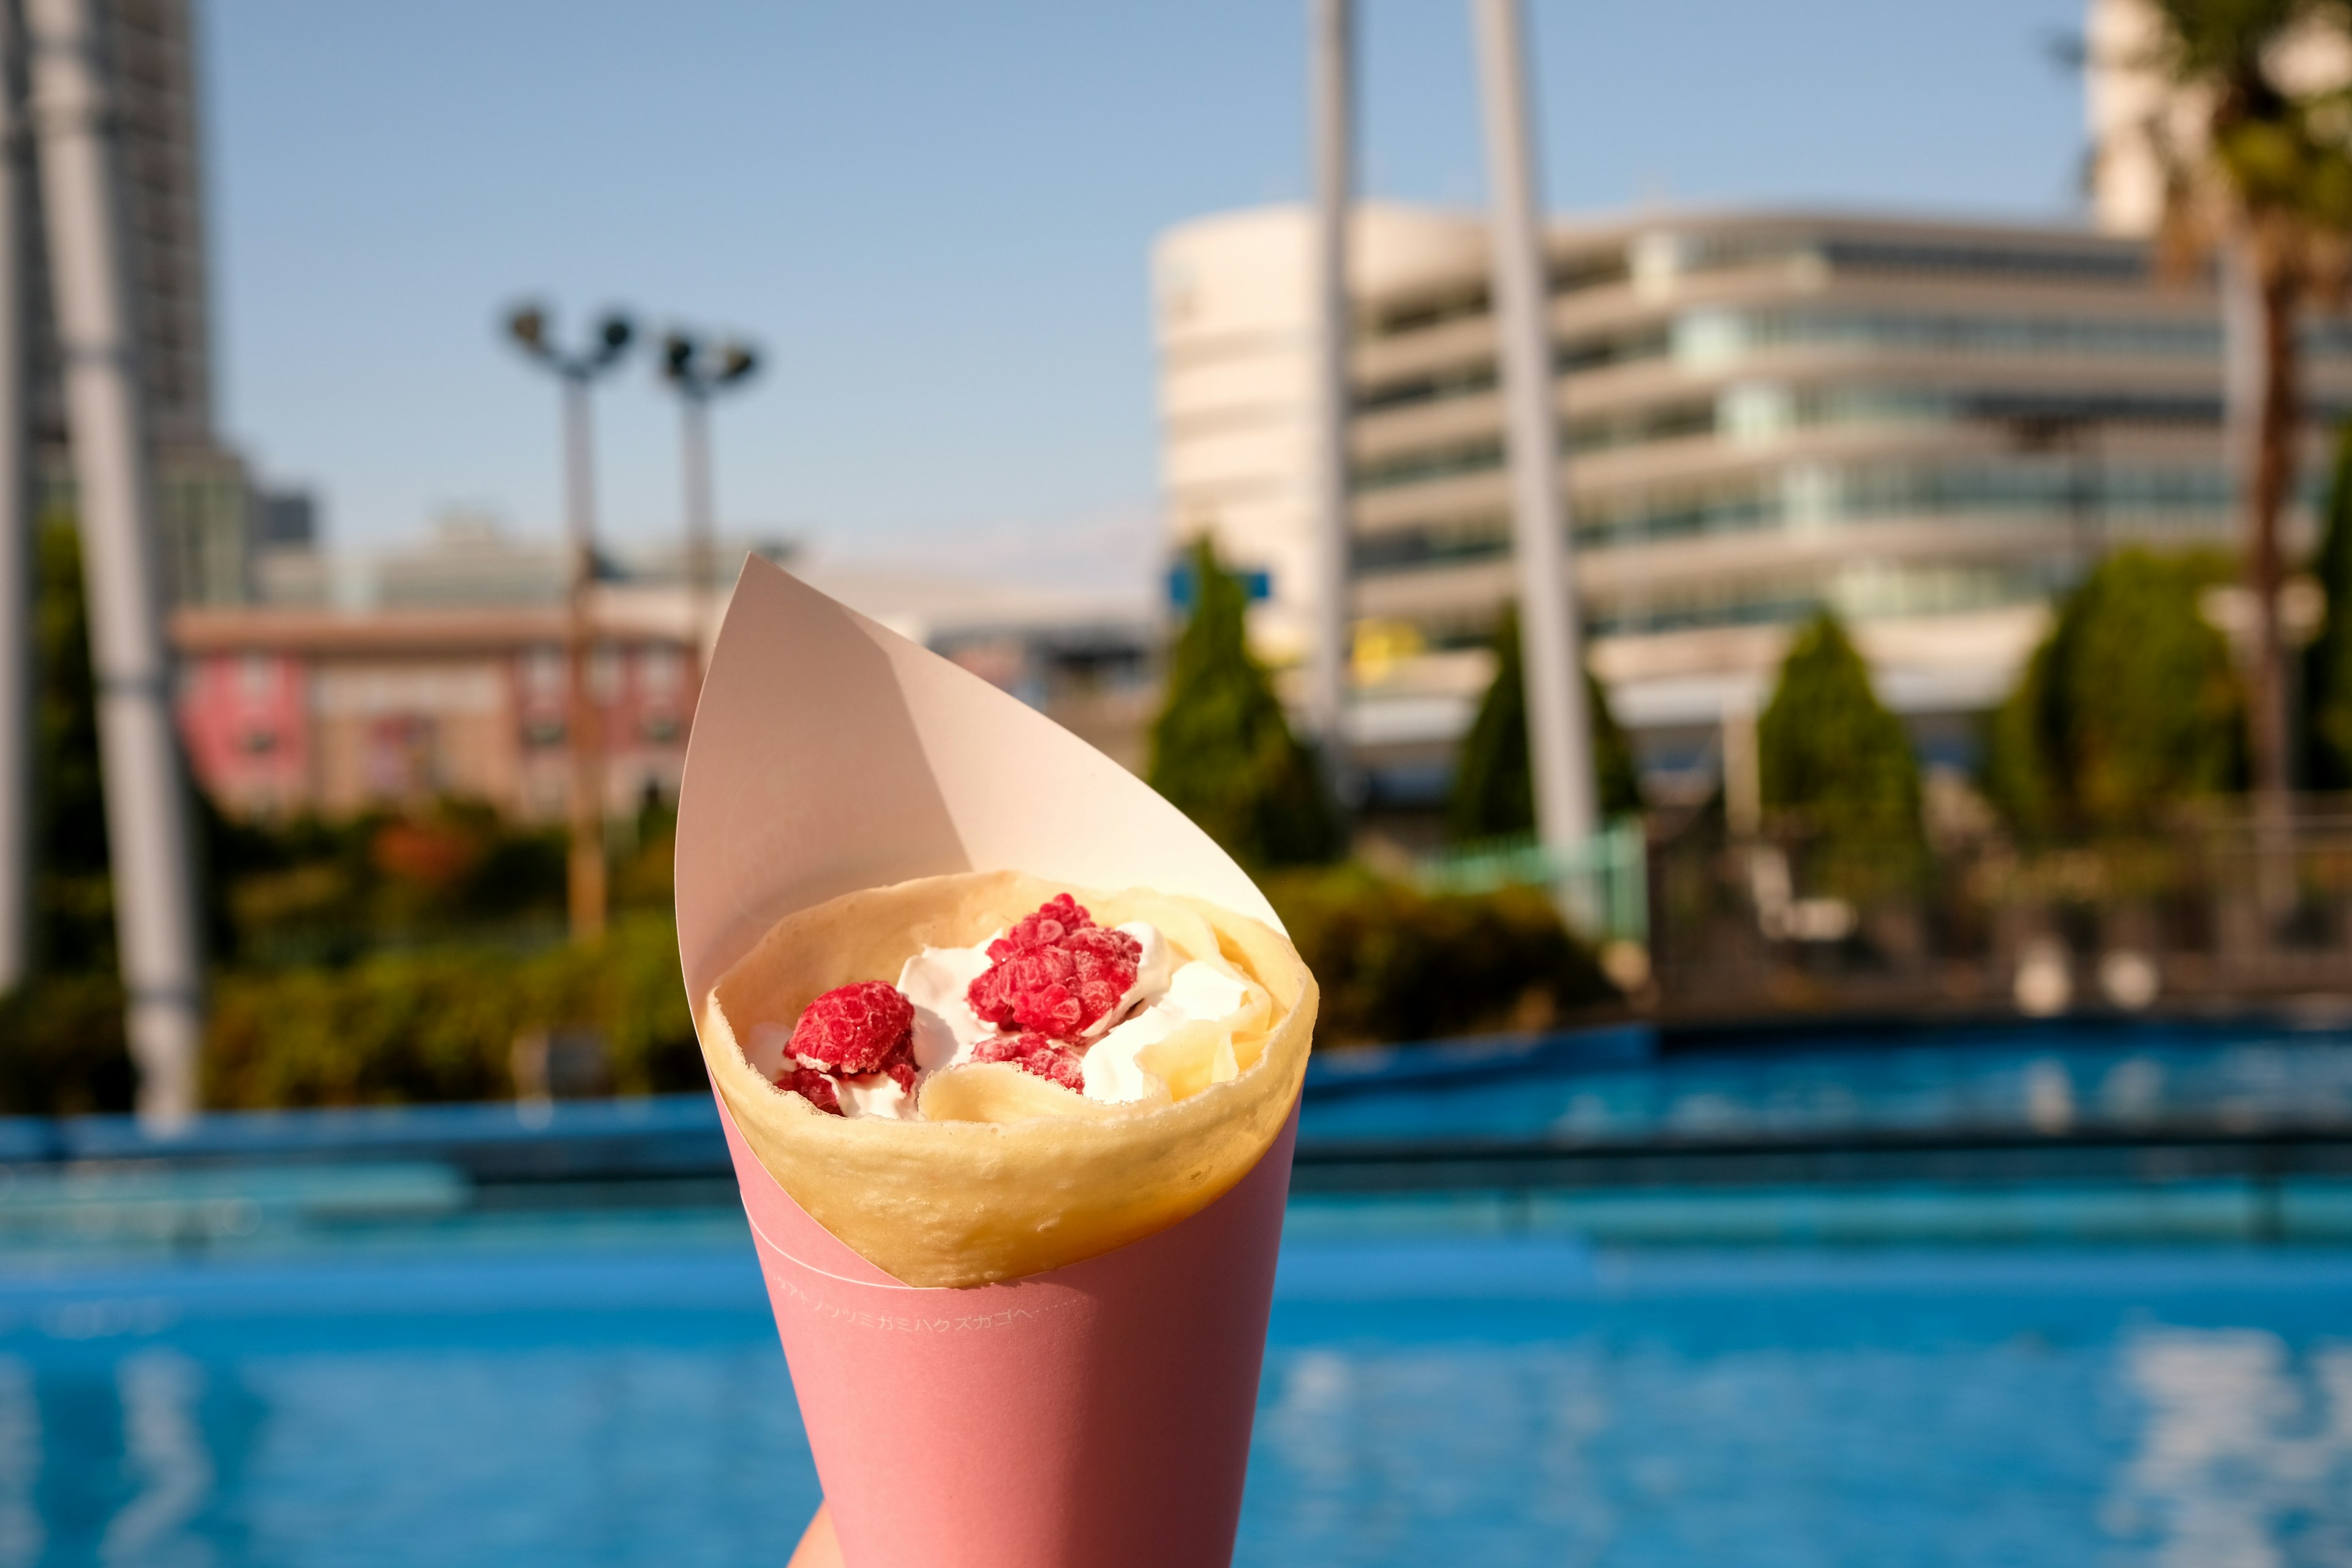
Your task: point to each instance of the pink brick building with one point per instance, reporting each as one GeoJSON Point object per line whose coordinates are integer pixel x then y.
{"type": "Point", "coordinates": [290, 711]}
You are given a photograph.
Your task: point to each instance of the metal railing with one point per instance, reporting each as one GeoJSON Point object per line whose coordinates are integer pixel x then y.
{"type": "Point", "coordinates": [2211, 908]}
{"type": "Point", "coordinates": [1603, 883]}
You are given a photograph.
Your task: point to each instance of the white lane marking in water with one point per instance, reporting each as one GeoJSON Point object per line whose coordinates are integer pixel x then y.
{"type": "Point", "coordinates": [2241, 1440]}
{"type": "Point", "coordinates": [164, 1445]}
{"type": "Point", "coordinates": [21, 1535]}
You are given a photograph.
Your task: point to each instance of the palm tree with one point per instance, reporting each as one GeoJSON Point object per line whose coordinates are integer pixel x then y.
{"type": "Point", "coordinates": [2270, 185]}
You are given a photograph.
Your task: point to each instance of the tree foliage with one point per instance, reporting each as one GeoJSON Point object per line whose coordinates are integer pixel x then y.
{"type": "Point", "coordinates": [439, 1024]}
{"type": "Point", "coordinates": [2270, 149]}
{"type": "Point", "coordinates": [1830, 756]}
{"type": "Point", "coordinates": [1396, 964]}
{"type": "Point", "coordinates": [73, 903]}
{"type": "Point", "coordinates": [2328, 662]}
{"type": "Point", "coordinates": [1493, 783]}
{"type": "Point", "coordinates": [2130, 706]}
{"type": "Point", "coordinates": [2258, 162]}
{"type": "Point", "coordinates": [1222, 749]}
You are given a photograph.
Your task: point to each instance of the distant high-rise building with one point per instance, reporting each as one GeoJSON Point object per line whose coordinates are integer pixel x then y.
{"type": "Point", "coordinates": [285, 519]}
{"type": "Point", "coordinates": [207, 507]}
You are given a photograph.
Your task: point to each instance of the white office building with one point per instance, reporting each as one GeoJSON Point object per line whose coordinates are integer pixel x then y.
{"type": "Point", "coordinates": [1931, 427]}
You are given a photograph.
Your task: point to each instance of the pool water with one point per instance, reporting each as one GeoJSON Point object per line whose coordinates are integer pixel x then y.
{"type": "Point", "coordinates": [1428, 1399]}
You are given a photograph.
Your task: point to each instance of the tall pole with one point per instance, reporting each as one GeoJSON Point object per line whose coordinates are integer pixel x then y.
{"type": "Point", "coordinates": [1558, 729]}
{"type": "Point", "coordinates": [701, 530]}
{"type": "Point", "coordinates": [584, 729]}
{"type": "Point", "coordinates": [2257, 359]}
{"type": "Point", "coordinates": [696, 371]}
{"type": "Point", "coordinates": [15, 514]}
{"type": "Point", "coordinates": [146, 802]}
{"type": "Point", "coordinates": [584, 726]}
{"type": "Point", "coordinates": [1332, 70]}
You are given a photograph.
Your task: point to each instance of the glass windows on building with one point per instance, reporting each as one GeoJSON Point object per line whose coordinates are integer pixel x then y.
{"type": "Point", "coordinates": [1707, 340]}
{"type": "Point", "coordinates": [1755, 414]}
{"type": "Point", "coordinates": [2178, 498]}
{"type": "Point", "coordinates": [1422, 464]}
{"type": "Point", "coordinates": [1863, 590]}
{"type": "Point", "coordinates": [1859, 590]}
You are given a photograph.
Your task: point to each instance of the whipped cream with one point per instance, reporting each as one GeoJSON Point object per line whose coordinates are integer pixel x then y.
{"type": "Point", "coordinates": [1151, 976]}
{"type": "Point", "coordinates": [875, 1094]}
{"type": "Point", "coordinates": [938, 981]}
{"type": "Point", "coordinates": [1197, 992]}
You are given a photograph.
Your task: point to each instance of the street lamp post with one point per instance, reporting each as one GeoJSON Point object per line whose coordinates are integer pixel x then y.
{"type": "Point", "coordinates": [583, 725]}
{"type": "Point", "coordinates": [696, 370]}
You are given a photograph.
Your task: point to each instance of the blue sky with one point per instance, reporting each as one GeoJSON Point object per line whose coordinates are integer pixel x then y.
{"type": "Point", "coordinates": [936, 219]}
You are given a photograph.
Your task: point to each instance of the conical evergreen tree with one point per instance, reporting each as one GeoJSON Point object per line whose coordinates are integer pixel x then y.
{"type": "Point", "coordinates": [2328, 662]}
{"type": "Point", "coordinates": [1494, 781]}
{"type": "Point", "coordinates": [2132, 704]}
{"type": "Point", "coordinates": [1221, 750]}
{"type": "Point", "coordinates": [73, 902]}
{"type": "Point", "coordinates": [1827, 752]}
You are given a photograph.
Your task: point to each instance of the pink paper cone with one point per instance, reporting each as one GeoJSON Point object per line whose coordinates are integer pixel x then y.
{"type": "Point", "coordinates": [1094, 1416]}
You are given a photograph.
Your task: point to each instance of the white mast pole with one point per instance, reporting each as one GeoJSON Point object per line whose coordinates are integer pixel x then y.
{"type": "Point", "coordinates": [146, 805]}
{"type": "Point", "coordinates": [1558, 727]}
{"type": "Point", "coordinates": [1332, 49]}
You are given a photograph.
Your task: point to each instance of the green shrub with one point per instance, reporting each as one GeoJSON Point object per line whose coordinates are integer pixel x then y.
{"type": "Point", "coordinates": [2328, 662]}
{"type": "Point", "coordinates": [314, 891]}
{"type": "Point", "coordinates": [73, 902]}
{"type": "Point", "coordinates": [1221, 750]}
{"type": "Point", "coordinates": [1493, 783]}
{"type": "Point", "coordinates": [1395, 964]}
{"type": "Point", "coordinates": [1828, 752]}
{"type": "Point", "coordinates": [440, 1025]}
{"type": "Point", "coordinates": [2129, 707]}
{"type": "Point", "coordinates": [62, 1051]}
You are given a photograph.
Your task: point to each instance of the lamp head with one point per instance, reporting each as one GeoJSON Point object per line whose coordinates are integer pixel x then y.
{"type": "Point", "coordinates": [613, 337]}
{"type": "Point", "coordinates": [527, 324]}
{"type": "Point", "coordinates": [736, 361]}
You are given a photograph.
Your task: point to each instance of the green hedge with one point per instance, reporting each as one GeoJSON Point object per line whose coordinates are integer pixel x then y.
{"type": "Point", "coordinates": [61, 1048]}
{"type": "Point", "coordinates": [439, 1024]}
{"type": "Point", "coordinates": [1395, 964]}
{"type": "Point", "coordinates": [435, 1025]}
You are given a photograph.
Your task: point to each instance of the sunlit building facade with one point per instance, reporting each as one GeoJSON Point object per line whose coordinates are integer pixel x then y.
{"type": "Point", "coordinates": [1929, 427]}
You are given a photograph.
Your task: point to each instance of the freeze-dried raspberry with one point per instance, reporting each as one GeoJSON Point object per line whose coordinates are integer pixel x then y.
{"type": "Point", "coordinates": [854, 1029]}
{"type": "Point", "coordinates": [810, 1085]}
{"type": "Point", "coordinates": [1047, 1058]}
{"type": "Point", "coordinates": [901, 1068]}
{"type": "Point", "coordinates": [1055, 972]}
{"type": "Point", "coordinates": [1046, 925]}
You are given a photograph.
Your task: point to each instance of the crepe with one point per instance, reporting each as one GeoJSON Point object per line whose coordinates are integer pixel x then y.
{"type": "Point", "coordinates": [1008, 1175]}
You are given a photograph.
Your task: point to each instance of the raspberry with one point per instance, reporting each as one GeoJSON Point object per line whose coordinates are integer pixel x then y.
{"type": "Point", "coordinates": [1048, 1058]}
{"type": "Point", "coordinates": [901, 1068]}
{"type": "Point", "coordinates": [812, 1086]}
{"type": "Point", "coordinates": [1052, 920]}
{"type": "Point", "coordinates": [1055, 972]}
{"type": "Point", "coordinates": [856, 1028]}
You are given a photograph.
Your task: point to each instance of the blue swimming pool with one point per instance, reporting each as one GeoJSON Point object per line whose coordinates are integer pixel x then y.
{"type": "Point", "coordinates": [611, 1393]}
